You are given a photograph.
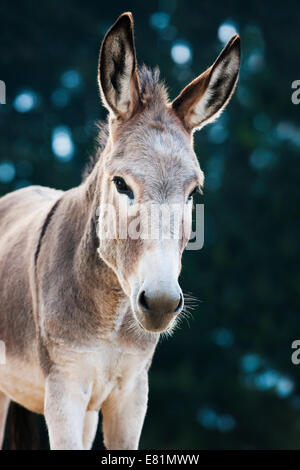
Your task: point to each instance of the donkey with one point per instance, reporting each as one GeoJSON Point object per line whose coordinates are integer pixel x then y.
{"type": "Point", "coordinates": [81, 314]}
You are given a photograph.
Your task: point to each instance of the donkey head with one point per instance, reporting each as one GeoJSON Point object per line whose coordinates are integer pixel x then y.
{"type": "Point", "coordinates": [149, 162]}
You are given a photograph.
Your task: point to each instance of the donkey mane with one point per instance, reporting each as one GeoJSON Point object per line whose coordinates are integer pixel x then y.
{"type": "Point", "coordinates": [153, 95]}
{"type": "Point", "coordinates": [153, 90]}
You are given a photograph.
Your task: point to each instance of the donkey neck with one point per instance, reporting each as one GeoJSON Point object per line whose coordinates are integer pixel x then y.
{"type": "Point", "coordinates": [69, 251]}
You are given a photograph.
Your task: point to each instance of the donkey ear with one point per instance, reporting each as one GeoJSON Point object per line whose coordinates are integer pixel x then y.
{"type": "Point", "coordinates": [203, 100]}
{"type": "Point", "coordinates": [117, 71]}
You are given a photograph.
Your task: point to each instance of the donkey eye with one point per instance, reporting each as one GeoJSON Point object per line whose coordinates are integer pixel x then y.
{"type": "Point", "coordinates": [122, 187]}
{"type": "Point", "coordinates": [192, 193]}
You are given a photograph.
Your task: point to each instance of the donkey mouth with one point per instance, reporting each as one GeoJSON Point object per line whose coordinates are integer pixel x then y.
{"type": "Point", "coordinates": [157, 329]}
{"type": "Point", "coordinates": [156, 323]}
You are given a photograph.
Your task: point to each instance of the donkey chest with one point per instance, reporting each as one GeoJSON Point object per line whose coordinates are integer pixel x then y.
{"type": "Point", "coordinates": [106, 369]}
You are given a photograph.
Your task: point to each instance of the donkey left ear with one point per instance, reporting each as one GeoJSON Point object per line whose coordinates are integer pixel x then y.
{"type": "Point", "coordinates": [203, 100]}
{"type": "Point", "coordinates": [117, 70]}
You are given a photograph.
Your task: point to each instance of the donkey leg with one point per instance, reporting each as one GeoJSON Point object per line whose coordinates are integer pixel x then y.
{"type": "Point", "coordinates": [65, 407]}
{"type": "Point", "coordinates": [123, 415]}
{"type": "Point", "coordinates": [90, 428]}
{"type": "Point", "coordinates": [4, 404]}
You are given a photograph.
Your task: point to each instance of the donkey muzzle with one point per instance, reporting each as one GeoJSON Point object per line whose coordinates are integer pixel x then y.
{"type": "Point", "coordinates": [157, 309]}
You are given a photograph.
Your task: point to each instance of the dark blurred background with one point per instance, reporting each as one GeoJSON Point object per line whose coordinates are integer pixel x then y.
{"type": "Point", "coordinates": [225, 380]}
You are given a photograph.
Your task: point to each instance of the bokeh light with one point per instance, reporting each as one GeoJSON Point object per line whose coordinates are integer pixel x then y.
{"type": "Point", "coordinates": [60, 98]}
{"type": "Point", "coordinates": [250, 362]}
{"type": "Point", "coordinates": [217, 132]}
{"type": "Point", "coordinates": [260, 158]}
{"type": "Point", "coordinates": [159, 20]}
{"type": "Point", "coordinates": [181, 53]}
{"type": "Point", "coordinates": [62, 143]}
{"type": "Point", "coordinates": [7, 171]}
{"type": "Point", "coordinates": [223, 337]}
{"type": "Point", "coordinates": [71, 79]}
{"type": "Point", "coordinates": [212, 420]}
{"type": "Point", "coordinates": [288, 131]}
{"type": "Point", "coordinates": [226, 31]}
{"type": "Point", "coordinates": [25, 101]}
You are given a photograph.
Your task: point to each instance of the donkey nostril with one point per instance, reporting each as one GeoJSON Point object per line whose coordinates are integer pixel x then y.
{"type": "Point", "coordinates": [160, 303]}
{"type": "Point", "coordinates": [179, 304]}
{"type": "Point", "coordinates": [142, 301]}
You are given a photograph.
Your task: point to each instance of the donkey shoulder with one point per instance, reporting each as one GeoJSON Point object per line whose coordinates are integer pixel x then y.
{"type": "Point", "coordinates": [25, 196]}
{"type": "Point", "coordinates": [19, 205]}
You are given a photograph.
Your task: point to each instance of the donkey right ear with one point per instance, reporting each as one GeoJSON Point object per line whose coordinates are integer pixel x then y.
{"type": "Point", "coordinates": [117, 70]}
{"type": "Point", "coordinates": [203, 100]}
